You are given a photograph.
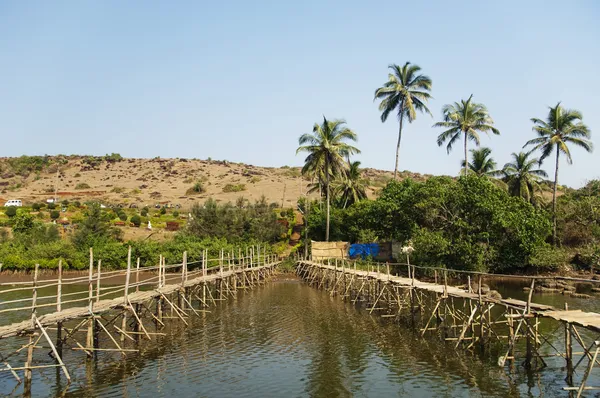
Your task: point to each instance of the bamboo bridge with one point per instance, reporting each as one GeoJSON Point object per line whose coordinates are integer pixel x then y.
{"type": "Point", "coordinates": [466, 317]}
{"type": "Point", "coordinates": [121, 305]}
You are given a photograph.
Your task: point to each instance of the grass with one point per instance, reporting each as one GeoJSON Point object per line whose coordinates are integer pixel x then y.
{"type": "Point", "coordinates": [82, 185]}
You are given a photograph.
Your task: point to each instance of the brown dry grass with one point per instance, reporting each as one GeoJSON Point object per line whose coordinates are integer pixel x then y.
{"type": "Point", "coordinates": [146, 182]}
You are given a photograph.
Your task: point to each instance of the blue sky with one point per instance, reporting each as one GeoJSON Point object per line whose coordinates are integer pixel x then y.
{"type": "Point", "coordinates": [242, 80]}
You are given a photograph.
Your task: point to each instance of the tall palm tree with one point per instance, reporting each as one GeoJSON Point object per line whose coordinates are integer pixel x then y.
{"type": "Point", "coordinates": [465, 118]}
{"type": "Point", "coordinates": [405, 92]}
{"type": "Point", "coordinates": [562, 127]}
{"type": "Point", "coordinates": [522, 177]}
{"type": "Point", "coordinates": [482, 164]}
{"type": "Point", "coordinates": [327, 151]}
{"type": "Point", "coordinates": [351, 187]}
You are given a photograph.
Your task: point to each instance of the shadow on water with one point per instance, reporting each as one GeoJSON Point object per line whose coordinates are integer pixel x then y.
{"type": "Point", "coordinates": [288, 339]}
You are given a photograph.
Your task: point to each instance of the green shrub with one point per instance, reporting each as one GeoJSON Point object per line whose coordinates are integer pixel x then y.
{"type": "Point", "coordinates": [122, 216]}
{"type": "Point", "coordinates": [136, 220]}
{"type": "Point", "coordinates": [163, 211]}
{"type": "Point", "coordinates": [36, 207]}
{"type": "Point", "coordinates": [548, 258]}
{"type": "Point", "coordinates": [51, 206]}
{"type": "Point", "coordinates": [113, 157]}
{"type": "Point", "coordinates": [144, 212]}
{"type": "Point", "coordinates": [196, 189]}
{"type": "Point", "coordinates": [77, 204]}
{"type": "Point", "coordinates": [234, 188]}
{"type": "Point", "coordinates": [54, 214]}
{"type": "Point", "coordinates": [82, 185]}
{"type": "Point", "coordinates": [10, 211]}
{"type": "Point", "coordinates": [175, 213]}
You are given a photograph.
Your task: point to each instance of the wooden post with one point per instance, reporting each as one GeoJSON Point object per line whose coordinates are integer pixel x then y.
{"type": "Point", "coordinates": [183, 280]}
{"type": "Point", "coordinates": [91, 321]}
{"type": "Point", "coordinates": [568, 350]}
{"type": "Point", "coordinates": [27, 373]}
{"type": "Point", "coordinates": [34, 296]}
{"type": "Point", "coordinates": [98, 281]}
{"type": "Point", "coordinates": [59, 342]}
{"type": "Point", "coordinates": [126, 295]}
{"type": "Point", "coordinates": [137, 276]}
{"type": "Point", "coordinates": [529, 347]}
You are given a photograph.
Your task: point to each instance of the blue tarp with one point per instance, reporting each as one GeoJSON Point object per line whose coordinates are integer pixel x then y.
{"type": "Point", "coordinates": [364, 250]}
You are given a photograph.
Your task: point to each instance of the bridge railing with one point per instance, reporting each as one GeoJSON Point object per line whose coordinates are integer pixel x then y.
{"type": "Point", "coordinates": [39, 296]}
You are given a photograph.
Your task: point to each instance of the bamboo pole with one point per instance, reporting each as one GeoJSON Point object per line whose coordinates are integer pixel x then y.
{"type": "Point", "coordinates": [59, 341]}
{"type": "Point", "coordinates": [568, 350]}
{"type": "Point", "coordinates": [57, 357]}
{"type": "Point", "coordinates": [98, 281]}
{"type": "Point", "coordinates": [34, 296]}
{"type": "Point", "coordinates": [137, 276]}
{"type": "Point", "coordinates": [125, 297]}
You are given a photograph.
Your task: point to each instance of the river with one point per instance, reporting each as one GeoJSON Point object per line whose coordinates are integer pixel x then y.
{"type": "Point", "coordinates": [286, 339]}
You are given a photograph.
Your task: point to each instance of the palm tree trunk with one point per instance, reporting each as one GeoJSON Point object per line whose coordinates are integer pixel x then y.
{"type": "Point", "coordinates": [554, 242]}
{"type": "Point", "coordinates": [466, 158]}
{"type": "Point", "coordinates": [399, 138]}
{"type": "Point", "coordinates": [327, 196]}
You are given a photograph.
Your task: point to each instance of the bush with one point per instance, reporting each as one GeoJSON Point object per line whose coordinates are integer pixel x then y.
{"type": "Point", "coordinates": [54, 214]}
{"type": "Point", "coordinates": [136, 220]}
{"type": "Point", "coordinates": [82, 185]}
{"type": "Point", "coordinates": [77, 204]}
{"type": "Point", "coordinates": [51, 206]}
{"type": "Point", "coordinates": [163, 211]}
{"type": "Point", "coordinates": [10, 211]}
{"type": "Point", "coordinates": [122, 216]}
{"type": "Point", "coordinates": [548, 258]}
{"type": "Point", "coordinates": [144, 212]}
{"type": "Point", "coordinates": [36, 207]}
{"type": "Point", "coordinates": [196, 189]}
{"type": "Point", "coordinates": [175, 213]}
{"type": "Point", "coordinates": [234, 188]}
{"type": "Point", "coordinates": [113, 157]}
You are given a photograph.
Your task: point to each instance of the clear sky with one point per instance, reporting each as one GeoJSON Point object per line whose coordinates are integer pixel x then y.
{"type": "Point", "coordinates": [242, 80]}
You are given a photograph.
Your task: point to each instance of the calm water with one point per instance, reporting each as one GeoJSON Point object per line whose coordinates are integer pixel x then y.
{"type": "Point", "coordinates": [288, 339]}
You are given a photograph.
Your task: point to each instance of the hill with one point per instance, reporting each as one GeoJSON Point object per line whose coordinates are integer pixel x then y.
{"type": "Point", "coordinates": [114, 180]}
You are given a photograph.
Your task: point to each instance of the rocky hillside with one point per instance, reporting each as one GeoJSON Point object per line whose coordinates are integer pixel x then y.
{"type": "Point", "coordinates": [146, 182]}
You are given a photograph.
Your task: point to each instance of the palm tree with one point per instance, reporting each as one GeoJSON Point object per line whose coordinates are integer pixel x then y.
{"type": "Point", "coordinates": [561, 128]}
{"type": "Point", "coordinates": [482, 164]}
{"type": "Point", "coordinates": [327, 150]}
{"type": "Point", "coordinates": [405, 92]}
{"type": "Point", "coordinates": [465, 118]}
{"type": "Point", "coordinates": [522, 177]}
{"type": "Point", "coordinates": [351, 188]}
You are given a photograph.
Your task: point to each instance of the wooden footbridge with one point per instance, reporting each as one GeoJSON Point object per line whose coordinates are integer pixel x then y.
{"type": "Point", "coordinates": [123, 306]}
{"type": "Point", "coordinates": [466, 317]}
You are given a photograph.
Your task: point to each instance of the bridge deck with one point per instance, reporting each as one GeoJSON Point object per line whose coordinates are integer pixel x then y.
{"type": "Point", "coordinates": [119, 302]}
{"type": "Point", "coordinates": [589, 320]}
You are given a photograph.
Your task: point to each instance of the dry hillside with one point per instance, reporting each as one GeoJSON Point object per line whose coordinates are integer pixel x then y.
{"type": "Point", "coordinates": [147, 182]}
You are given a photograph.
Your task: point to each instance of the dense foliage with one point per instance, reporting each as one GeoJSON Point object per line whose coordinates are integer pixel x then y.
{"type": "Point", "coordinates": [467, 223]}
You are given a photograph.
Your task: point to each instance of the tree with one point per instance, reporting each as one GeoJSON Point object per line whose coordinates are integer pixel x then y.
{"type": "Point", "coordinates": [465, 118]}
{"type": "Point", "coordinates": [351, 188]}
{"type": "Point", "coordinates": [482, 164]}
{"type": "Point", "coordinates": [95, 228]}
{"type": "Point", "coordinates": [405, 92]}
{"type": "Point", "coordinates": [327, 151]}
{"type": "Point", "coordinates": [10, 211]}
{"type": "Point", "coordinates": [562, 127]}
{"type": "Point", "coordinates": [522, 177]}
